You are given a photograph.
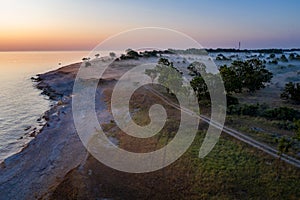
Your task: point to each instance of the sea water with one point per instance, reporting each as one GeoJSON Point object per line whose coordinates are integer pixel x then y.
{"type": "Point", "coordinates": [21, 104]}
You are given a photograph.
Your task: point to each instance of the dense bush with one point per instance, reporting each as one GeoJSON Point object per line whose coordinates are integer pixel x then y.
{"type": "Point", "coordinates": [286, 125]}
{"type": "Point", "coordinates": [148, 54]}
{"type": "Point", "coordinates": [245, 109]}
{"type": "Point", "coordinates": [281, 113]}
{"type": "Point", "coordinates": [262, 110]}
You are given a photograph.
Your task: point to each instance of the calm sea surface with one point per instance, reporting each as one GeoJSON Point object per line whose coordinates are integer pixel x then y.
{"type": "Point", "coordinates": [21, 104]}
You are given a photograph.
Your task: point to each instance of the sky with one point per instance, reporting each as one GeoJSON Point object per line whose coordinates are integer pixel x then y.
{"type": "Point", "coordinates": [82, 24]}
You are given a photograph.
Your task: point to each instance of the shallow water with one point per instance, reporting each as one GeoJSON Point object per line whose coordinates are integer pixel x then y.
{"type": "Point", "coordinates": [21, 104]}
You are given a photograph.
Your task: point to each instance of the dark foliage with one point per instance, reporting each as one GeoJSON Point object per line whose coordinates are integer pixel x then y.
{"type": "Point", "coordinates": [291, 91]}
{"type": "Point", "coordinates": [249, 74]}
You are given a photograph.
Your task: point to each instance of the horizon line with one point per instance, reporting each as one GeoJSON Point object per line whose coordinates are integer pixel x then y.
{"type": "Point", "coordinates": [206, 48]}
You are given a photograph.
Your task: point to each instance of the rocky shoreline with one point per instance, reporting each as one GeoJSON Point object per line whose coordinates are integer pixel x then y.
{"type": "Point", "coordinates": [55, 164]}
{"type": "Point", "coordinates": [55, 150]}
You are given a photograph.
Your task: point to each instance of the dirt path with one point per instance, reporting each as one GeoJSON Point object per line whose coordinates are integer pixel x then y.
{"type": "Point", "coordinates": [236, 134]}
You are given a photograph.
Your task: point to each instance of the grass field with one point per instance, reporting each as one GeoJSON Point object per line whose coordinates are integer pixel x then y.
{"type": "Point", "coordinates": [232, 170]}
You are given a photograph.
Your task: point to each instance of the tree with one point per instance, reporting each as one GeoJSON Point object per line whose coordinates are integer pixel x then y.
{"type": "Point", "coordinates": [199, 86]}
{"type": "Point", "coordinates": [152, 73]}
{"type": "Point", "coordinates": [283, 58]}
{"type": "Point", "coordinates": [86, 62]}
{"type": "Point", "coordinates": [292, 56]}
{"type": "Point", "coordinates": [257, 76]}
{"type": "Point", "coordinates": [169, 75]}
{"type": "Point", "coordinates": [132, 54]}
{"type": "Point", "coordinates": [232, 82]}
{"type": "Point", "coordinates": [221, 57]}
{"type": "Point", "coordinates": [112, 54]}
{"type": "Point", "coordinates": [128, 50]}
{"type": "Point", "coordinates": [274, 62]}
{"type": "Point", "coordinates": [291, 91]}
{"type": "Point", "coordinates": [250, 74]}
{"type": "Point", "coordinates": [272, 55]}
{"type": "Point", "coordinates": [164, 61]}
{"type": "Point", "coordinates": [197, 68]}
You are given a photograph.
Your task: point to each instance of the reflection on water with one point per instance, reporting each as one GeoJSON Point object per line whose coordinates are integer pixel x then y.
{"type": "Point", "coordinates": [21, 104]}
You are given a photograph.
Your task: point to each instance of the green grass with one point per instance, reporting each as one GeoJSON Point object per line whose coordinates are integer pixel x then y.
{"type": "Point", "coordinates": [233, 170]}
{"type": "Point", "coordinates": [269, 130]}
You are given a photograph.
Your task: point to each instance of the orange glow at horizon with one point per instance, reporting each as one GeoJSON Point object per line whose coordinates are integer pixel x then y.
{"type": "Point", "coordinates": [48, 39]}
{"type": "Point", "coordinates": [81, 25]}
